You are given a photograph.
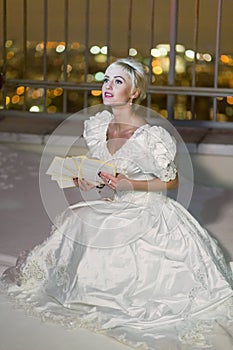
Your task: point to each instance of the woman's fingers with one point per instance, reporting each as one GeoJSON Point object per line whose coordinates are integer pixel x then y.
{"type": "Point", "coordinates": [82, 184]}
{"type": "Point", "coordinates": [76, 181]}
{"type": "Point", "coordinates": [109, 180]}
{"type": "Point", "coordinates": [119, 182]}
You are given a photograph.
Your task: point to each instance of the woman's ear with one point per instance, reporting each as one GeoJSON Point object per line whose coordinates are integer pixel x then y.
{"type": "Point", "coordinates": [135, 94]}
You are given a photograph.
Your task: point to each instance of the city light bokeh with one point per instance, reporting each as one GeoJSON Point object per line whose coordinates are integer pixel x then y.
{"type": "Point", "coordinates": [53, 54]}
{"type": "Point", "coordinates": [32, 68]}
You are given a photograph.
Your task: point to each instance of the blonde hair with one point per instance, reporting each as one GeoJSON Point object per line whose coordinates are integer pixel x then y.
{"type": "Point", "coordinates": [138, 74]}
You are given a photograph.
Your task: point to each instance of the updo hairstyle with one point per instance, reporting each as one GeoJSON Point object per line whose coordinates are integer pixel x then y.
{"type": "Point", "coordinates": [138, 75]}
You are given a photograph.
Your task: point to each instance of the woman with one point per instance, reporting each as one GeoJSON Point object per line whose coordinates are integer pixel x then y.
{"type": "Point", "coordinates": [138, 267]}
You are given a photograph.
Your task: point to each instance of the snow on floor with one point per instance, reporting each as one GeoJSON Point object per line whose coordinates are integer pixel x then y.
{"type": "Point", "coordinates": [24, 223]}
{"type": "Point", "coordinates": [23, 332]}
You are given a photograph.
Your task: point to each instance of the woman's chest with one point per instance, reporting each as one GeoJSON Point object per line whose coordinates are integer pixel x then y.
{"type": "Point", "coordinates": [116, 139]}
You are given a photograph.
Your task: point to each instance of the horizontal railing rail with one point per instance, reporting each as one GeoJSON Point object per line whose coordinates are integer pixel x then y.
{"type": "Point", "coordinates": [167, 90]}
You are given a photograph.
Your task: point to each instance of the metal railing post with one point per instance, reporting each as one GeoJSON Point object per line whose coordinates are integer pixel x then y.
{"type": "Point", "coordinates": [108, 31]}
{"type": "Point", "coordinates": [195, 47]}
{"type": "Point", "coordinates": [87, 33]}
{"type": "Point", "coordinates": [25, 24]}
{"type": "Point", "coordinates": [172, 55]}
{"type": "Point", "coordinates": [65, 62]}
{"type": "Point", "coordinates": [4, 29]}
{"type": "Point", "coordinates": [217, 46]}
{"type": "Point", "coordinates": [45, 29]}
{"type": "Point", "coordinates": [151, 44]}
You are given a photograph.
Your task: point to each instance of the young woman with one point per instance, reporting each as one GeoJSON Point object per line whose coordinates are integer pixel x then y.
{"type": "Point", "coordinates": [138, 267]}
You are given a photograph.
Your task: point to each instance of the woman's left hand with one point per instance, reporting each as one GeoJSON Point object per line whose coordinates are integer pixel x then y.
{"type": "Point", "coordinates": [83, 184]}
{"type": "Point", "coordinates": [119, 182]}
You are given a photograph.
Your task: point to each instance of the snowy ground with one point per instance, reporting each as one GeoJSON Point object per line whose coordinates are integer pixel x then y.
{"type": "Point", "coordinates": [24, 223]}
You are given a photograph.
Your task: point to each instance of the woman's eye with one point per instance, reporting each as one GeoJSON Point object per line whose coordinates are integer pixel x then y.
{"type": "Point", "coordinates": [118, 81]}
{"type": "Point", "coordinates": [106, 80]}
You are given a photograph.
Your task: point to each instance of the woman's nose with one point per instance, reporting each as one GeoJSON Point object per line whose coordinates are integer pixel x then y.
{"type": "Point", "coordinates": [109, 84]}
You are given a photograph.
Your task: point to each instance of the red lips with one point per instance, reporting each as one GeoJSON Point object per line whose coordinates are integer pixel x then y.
{"type": "Point", "coordinates": [108, 94]}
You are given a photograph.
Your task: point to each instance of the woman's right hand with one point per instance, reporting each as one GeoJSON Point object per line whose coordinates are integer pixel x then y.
{"type": "Point", "coordinates": [83, 184]}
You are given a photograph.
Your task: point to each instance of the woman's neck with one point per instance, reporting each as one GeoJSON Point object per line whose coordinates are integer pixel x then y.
{"type": "Point", "coordinates": [123, 115]}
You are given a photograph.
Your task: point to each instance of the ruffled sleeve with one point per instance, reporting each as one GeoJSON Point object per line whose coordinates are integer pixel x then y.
{"type": "Point", "coordinates": [95, 129]}
{"type": "Point", "coordinates": [159, 153]}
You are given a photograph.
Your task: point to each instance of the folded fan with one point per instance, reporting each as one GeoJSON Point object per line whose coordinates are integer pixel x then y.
{"type": "Point", "coordinates": [63, 170]}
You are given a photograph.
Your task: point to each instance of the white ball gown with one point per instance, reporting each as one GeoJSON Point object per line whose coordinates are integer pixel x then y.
{"type": "Point", "coordinates": [137, 267]}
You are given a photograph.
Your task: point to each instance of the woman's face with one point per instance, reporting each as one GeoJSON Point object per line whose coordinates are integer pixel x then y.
{"type": "Point", "coordinates": [117, 86]}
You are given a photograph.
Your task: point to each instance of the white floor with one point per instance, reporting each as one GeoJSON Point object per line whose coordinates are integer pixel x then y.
{"type": "Point", "coordinates": [24, 223]}
{"type": "Point", "coordinates": [22, 332]}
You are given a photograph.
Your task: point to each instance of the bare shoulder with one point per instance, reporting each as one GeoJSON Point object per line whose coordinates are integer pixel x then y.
{"type": "Point", "coordinates": [139, 121]}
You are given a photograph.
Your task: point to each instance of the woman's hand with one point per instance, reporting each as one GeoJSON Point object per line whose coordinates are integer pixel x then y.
{"type": "Point", "coordinates": [119, 182]}
{"type": "Point", "coordinates": [83, 184]}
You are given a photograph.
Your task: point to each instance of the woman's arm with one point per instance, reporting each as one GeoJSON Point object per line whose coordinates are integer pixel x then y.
{"type": "Point", "coordinates": [155, 185]}
{"type": "Point", "coordinates": [122, 183]}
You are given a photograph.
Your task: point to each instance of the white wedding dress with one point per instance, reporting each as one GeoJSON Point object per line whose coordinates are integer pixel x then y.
{"type": "Point", "coordinates": [137, 267]}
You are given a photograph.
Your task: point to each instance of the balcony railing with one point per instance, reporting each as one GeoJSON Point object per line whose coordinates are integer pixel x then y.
{"type": "Point", "coordinates": [53, 56]}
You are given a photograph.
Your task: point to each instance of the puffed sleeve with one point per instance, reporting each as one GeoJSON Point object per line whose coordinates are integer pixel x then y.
{"type": "Point", "coordinates": [159, 149]}
{"type": "Point", "coordinates": [95, 129]}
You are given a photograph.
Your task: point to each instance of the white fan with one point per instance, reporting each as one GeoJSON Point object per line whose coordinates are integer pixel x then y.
{"type": "Point", "coordinates": [63, 170]}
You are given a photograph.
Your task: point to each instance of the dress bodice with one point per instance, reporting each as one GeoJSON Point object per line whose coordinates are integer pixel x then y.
{"type": "Point", "coordinates": [149, 153]}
